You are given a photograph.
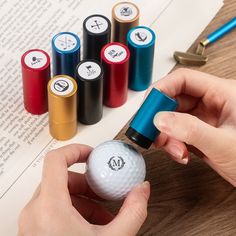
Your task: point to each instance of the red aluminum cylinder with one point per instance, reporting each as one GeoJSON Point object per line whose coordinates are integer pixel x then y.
{"type": "Point", "coordinates": [35, 66]}
{"type": "Point", "coordinates": [115, 60]}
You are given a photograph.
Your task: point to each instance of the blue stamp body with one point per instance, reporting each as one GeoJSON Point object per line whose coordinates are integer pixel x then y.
{"type": "Point", "coordinates": [142, 130]}
{"type": "Point", "coordinates": [65, 53]}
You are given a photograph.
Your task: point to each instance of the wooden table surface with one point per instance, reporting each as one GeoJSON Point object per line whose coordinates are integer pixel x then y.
{"type": "Point", "coordinates": [193, 199]}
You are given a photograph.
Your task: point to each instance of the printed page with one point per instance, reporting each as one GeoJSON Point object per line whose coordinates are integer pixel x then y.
{"type": "Point", "coordinates": [26, 25]}
{"type": "Point", "coordinates": [25, 138]}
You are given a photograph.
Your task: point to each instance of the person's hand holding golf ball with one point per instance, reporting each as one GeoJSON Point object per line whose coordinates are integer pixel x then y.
{"type": "Point", "coordinates": [64, 204]}
{"type": "Point", "coordinates": [205, 121]}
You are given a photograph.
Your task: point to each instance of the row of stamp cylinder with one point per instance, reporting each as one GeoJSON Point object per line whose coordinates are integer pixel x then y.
{"type": "Point", "coordinates": [103, 77]}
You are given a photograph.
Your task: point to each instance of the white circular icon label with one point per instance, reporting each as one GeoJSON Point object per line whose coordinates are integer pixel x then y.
{"type": "Point", "coordinates": [35, 59]}
{"type": "Point", "coordinates": [115, 53]}
{"type": "Point", "coordinates": [126, 11]}
{"type": "Point", "coordinates": [65, 42]}
{"type": "Point", "coordinates": [62, 86]}
{"type": "Point", "coordinates": [96, 24]}
{"type": "Point", "coordinates": [141, 36]}
{"type": "Point", "coordinates": [89, 70]}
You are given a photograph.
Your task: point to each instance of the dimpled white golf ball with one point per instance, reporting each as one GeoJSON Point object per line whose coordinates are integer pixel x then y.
{"type": "Point", "coordinates": [113, 169]}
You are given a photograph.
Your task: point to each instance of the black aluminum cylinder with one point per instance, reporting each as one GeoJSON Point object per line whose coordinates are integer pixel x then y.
{"type": "Point", "coordinates": [89, 76]}
{"type": "Point", "coordinates": [96, 34]}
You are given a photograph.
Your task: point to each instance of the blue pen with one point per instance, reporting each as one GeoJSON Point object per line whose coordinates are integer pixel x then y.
{"type": "Point", "coordinates": [226, 28]}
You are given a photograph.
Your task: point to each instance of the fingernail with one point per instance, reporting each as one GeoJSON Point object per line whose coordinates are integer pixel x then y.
{"type": "Point", "coordinates": [161, 121]}
{"type": "Point", "coordinates": [185, 160]}
{"type": "Point", "coordinates": [176, 151]}
{"type": "Point", "coordinates": [179, 153]}
{"type": "Point", "coordinates": [145, 186]}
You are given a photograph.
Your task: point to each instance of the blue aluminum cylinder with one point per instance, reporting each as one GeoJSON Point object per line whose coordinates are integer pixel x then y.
{"type": "Point", "coordinates": [65, 53]}
{"type": "Point", "coordinates": [141, 43]}
{"type": "Point", "coordinates": [142, 130]}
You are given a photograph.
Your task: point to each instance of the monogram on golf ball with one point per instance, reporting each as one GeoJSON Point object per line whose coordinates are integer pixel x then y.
{"type": "Point", "coordinates": [116, 163]}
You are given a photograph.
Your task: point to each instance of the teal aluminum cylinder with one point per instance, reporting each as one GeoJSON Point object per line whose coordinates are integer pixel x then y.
{"type": "Point", "coordinates": [141, 43]}
{"type": "Point", "coordinates": [142, 130]}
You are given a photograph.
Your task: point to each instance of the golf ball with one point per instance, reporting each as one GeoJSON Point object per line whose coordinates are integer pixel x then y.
{"type": "Point", "coordinates": [113, 169]}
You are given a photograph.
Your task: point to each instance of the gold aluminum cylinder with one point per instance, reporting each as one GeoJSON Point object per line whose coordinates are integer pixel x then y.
{"type": "Point", "coordinates": [121, 26]}
{"type": "Point", "coordinates": [62, 107]}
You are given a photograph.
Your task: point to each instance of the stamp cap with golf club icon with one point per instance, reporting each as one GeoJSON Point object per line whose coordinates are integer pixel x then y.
{"type": "Point", "coordinates": [65, 53]}
{"type": "Point", "coordinates": [96, 34]}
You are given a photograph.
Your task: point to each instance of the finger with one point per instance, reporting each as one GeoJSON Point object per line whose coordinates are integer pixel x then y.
{"type": "Point", "coordinates": [186, 103]}
{"type": "Point", "coordinates": [189, 82]}
{"type": "Point", "coordinates": [132, 213]}
{"type": "Point", "coordinates": [161, 140]}
{"type": "Point", "coordinates": [36, 192]}
{"type": "Point", "coordinates": [184, 161]}
{"type": "Point", "coordinates": [92, 211]}
{"type": "Point", "coordinates": [56, 162]}
{"type": "Point", "coordinates": [191, 130]}
{"type": "Point", "coordinates": [177, 151]}
{"type": "Point", "coordinates": [77, 185]}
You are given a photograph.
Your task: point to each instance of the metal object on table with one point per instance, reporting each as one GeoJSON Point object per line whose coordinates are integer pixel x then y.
{"type": "Point", "coordinates": [35, 66]}
{"type": "Point", "coordinates": [125, 16]}
{"type": "Point", "coordinates": [198, 58]}
{"type": "Point", "coordinates": [190, 59]}
{"type": "Point", "coordinates": [96, 34]}
{"type": "Point", "coordinates": [89, 76]}
{"type": "Point", "coordinates": [62, 107]}
{"type": "Point", "coordinates": [141, 43]}
{"type": "Point", "coordinates": [115, 61]}
{"type": "Point", "coordinates": [65, 53]}
{"type": "Point", "coordinates": [142, 130]}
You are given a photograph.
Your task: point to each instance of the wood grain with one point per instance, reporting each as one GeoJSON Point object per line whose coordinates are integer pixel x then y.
{"type": "Point", "coordinates": [193, 199]}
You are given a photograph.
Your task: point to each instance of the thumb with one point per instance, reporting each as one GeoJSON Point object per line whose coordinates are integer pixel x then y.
{"type": "Point", "coordinates": [132, 213]}
{"type": "Point", "coordinates": [189, 129]}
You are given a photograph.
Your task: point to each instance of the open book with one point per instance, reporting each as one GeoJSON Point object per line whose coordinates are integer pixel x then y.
{"type": "Point", "coordinates": [25, 24]}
